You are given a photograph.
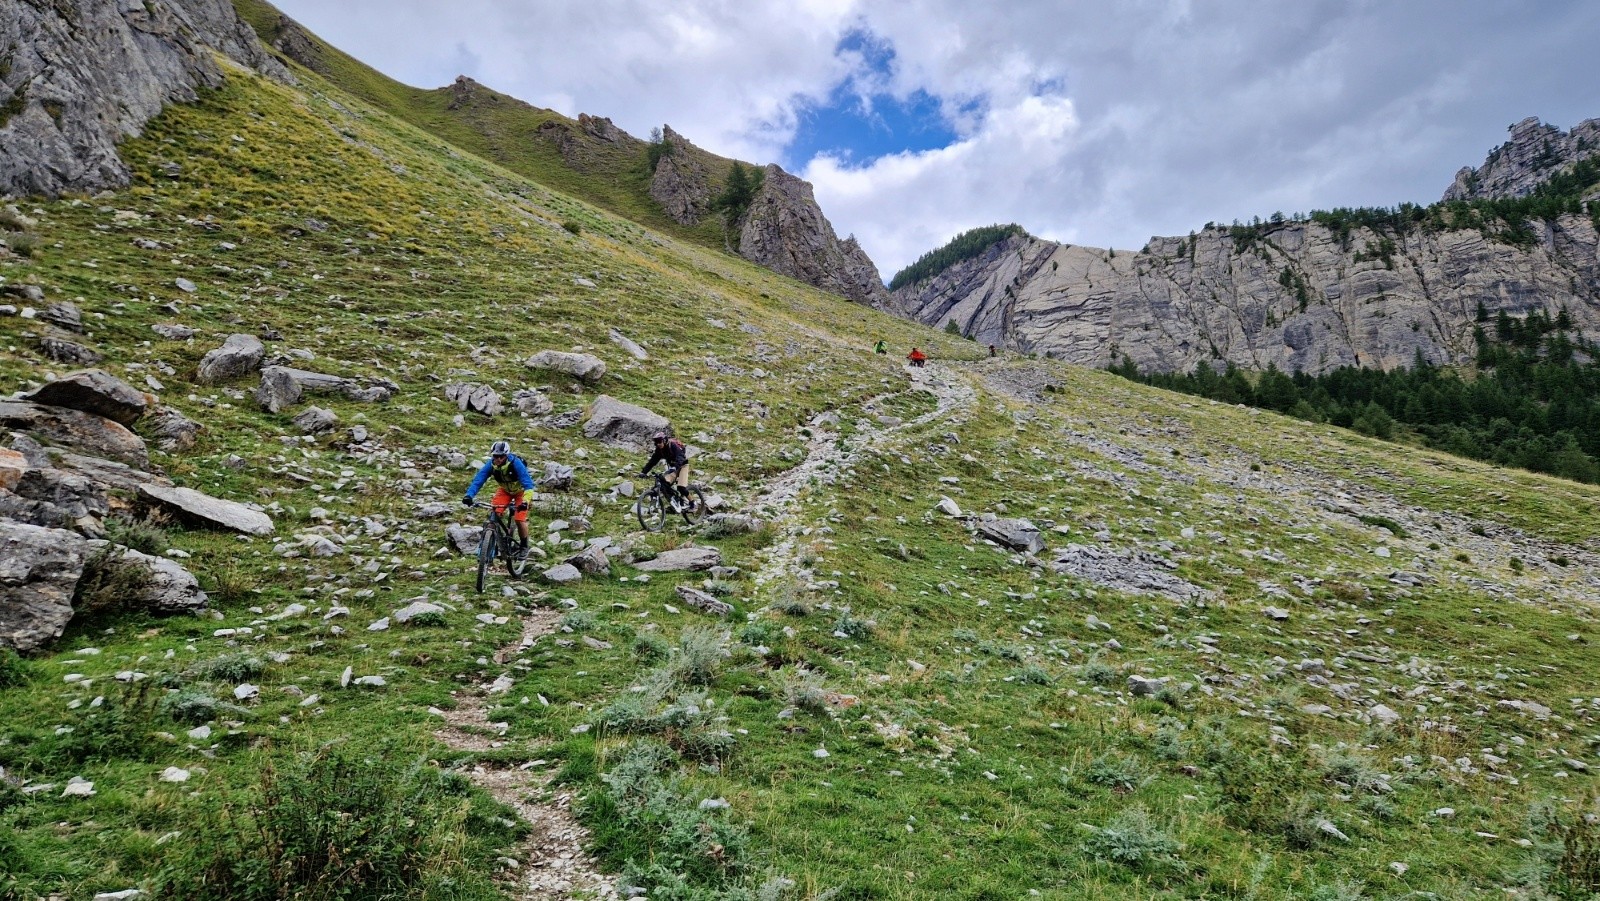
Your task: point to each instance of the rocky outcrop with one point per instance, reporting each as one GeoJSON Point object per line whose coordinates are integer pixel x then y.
{"type": "Point", "coordinates": [624, 425]}
{"type": "Point", "coordinates": [92, 434]}
{"type": "Point", "coordinates": [39, 571]}
{"type": "Point", "coordinates": [293, 41]}
{"type": "Point", "coordinates": [1533, 153]}
{"type": "Point", "coordinates": [1297, 297]}
{"type": "Point", "coordinates": [681, 182]}
{"type": "Point", "coordinates": [204, 510]}
{"type": "Point", "coordinates": [239, 355]}
{"type": "Point", "coordinates": [785, 231]}
{"type": "Point", "coordinates": [95, 391]}
{"type": "Point", "coordinates": [77, 76]}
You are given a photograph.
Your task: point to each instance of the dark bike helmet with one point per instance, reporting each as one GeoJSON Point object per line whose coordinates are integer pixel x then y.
{"type": "Point", "coordinates": [499, 447]}
{"type": "Point", "coordinates": [659, 436]}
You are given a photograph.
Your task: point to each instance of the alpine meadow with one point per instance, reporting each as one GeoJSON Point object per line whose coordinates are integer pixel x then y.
{"type": "Point", "coordinates": [999, 627]}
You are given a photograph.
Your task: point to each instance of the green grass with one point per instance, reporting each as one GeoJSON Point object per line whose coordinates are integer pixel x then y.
{"type": "Point", "coordinates": [980, 738]}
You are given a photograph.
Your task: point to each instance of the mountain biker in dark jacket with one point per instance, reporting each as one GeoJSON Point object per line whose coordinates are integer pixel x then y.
{"type": "Point", "coordinates": [512, 481]}
{"type": "Point", "coordinates": [672, 452]}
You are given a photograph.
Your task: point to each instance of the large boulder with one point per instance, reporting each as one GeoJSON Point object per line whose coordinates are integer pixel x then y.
{"type": "Point", "coordinates": [627, 344]}
{"type": "Point", "coordinates": [238, 356]}
{"type": "Point", "coordinates": [12, 466]}
{"type": "Point", "coordinates": [475, 398]}
{"type": "Point", "coordinates": [39, 572]}
{"type": "Point", "coordinates": [283, 386]}
{"type": "Point", "coordinates": [1016, 534]}
{"type": "Point", "coordinates": [683, 558]}
{"type": "Point", "coordinates": [172, 430]}
{"type": "Point", "coordinates": [316, 420]}
{"type": "Point", "coordinates": [278, 390]}
{"type": "Point", "coordinates": [69, 352]}
{"type": "Point", "coordinates": [556, 476]}
{"type": "Point", "coordinates": [170, 588]}
{"type": "Point", "coordinates": [58, 425]}
{"type": "Point", "coordinates": [531, 402]}
{"type": "Point", "coordinates": [204, 509]}
{"type": "Point", "coordinates": [623, 425]}
{"type": "Point", "coordinates": [584, 367]}
{"type": "Point", "coordinates": [56, 499]}
{"type": "Point", "coordinates": [463, 538]}
{"type": "Point", "coordinates": [95, 391]}
{"type": "Point", "coordinates": [109, 474]}
{"type": "Point", "coordinates": [592, 560]}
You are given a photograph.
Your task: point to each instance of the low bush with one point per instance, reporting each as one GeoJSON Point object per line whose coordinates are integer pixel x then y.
{"type": "Point", "coordinates": [121, 728]}
{"type": "Point", "coordinates": [333, 824]}
{"type": "Point", "coordinates": [110, 584]}
{"type": "Point", "coordinates": [193, 707]}
{"type": "Point", "coordinates": [140, 534]}
{"type": "Point", "coordinates": [697, 658]}
{"type": "Point", "coordinates": [677, 847]}
{"type": "Point", "coordinates": [802, 688]}
{"type": "Point", "coordinates": [1133, 840]}
{"type": "Point", "coordinates": [14, 671]}
{"type": "Point", "coordinates": [231, 668]}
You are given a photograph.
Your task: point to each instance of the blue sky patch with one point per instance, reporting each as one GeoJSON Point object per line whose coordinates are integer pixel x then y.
{"type": "Point", "coordinates": [860, 121]}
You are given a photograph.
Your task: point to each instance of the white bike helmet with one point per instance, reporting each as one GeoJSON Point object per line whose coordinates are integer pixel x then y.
{"type": "Point", "coordinates": [499, 447]}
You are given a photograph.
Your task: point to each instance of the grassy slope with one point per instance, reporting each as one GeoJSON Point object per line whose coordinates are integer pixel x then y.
{"type": "Point", "coordinates": [992, 720]}
{"type": "Point", "coordinates": [502, 129]}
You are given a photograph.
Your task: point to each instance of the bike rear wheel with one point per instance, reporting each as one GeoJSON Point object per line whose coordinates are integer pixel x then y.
{"type": "Point", "coordinates": [515, 562]}
{"type": "Point", "coordinates": [486, 550]}
{"type": "Point", "coordinates": [694, 507]}
{"type": "Point", "coordinates": [651, 510]}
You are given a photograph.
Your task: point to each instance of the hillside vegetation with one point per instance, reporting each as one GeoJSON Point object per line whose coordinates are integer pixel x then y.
{"type": "Point", "coordinates": [1247, 656]}
{"type": "Point", "coordinates": [964, 246]}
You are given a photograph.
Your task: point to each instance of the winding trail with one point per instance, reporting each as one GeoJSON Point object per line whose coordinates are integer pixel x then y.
{"type": "Point", "coordinates": [827, 456]}
{"type": "Point", "coordinates": [550, 864]}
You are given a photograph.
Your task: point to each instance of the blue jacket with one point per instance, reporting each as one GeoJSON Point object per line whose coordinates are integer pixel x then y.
{"type": "Point", "coordinates": [515, 473]}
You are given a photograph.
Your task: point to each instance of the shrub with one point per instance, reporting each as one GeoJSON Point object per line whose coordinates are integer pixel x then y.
{"type": "Point", "coordinates": [231, 584]}
{"type": "Point", "coordinates": [119, 729]}
{"type": "Point", "coordinates": [573, 226]}
{"type": "Point", "coordinates": [1032, 674]}
{"type": "Point", "coordinates": [234, 668]}
{"type": "Point", "coordinates": [110, 584]}
{"type": "Point", "coordinates": [23, 244]}
{"type": "Point", "coordinates": [1098, 672]}
{"type": "Point", "coordinates": [333, 824]}
{"type": "Point", "coordinates": [1302, 825]}
{"type": "Point", "coordinates": [194, 707]}
{"type": "Point", "coordinates": [697, 658]}
{"type": "Point", "coordinates": [802, 688]}
{"type": "Point", "coordinates": [1169, 741]}
{"type": "Point", "coordinates": [429, 619]}
{"type": "Point", "coordinates": [650, 646]}
{"type": "Point", "coordinates": [686, 844]}
{"type": "Point", "coordinates": [579, 621]}
{"type": "Point", "coordinates": [1132, 839]}
{"type": "Point", "coordinates": [1116, 772]}
{"type": "Point", "coordinates": [140, 534]}
{"type": "Point", "coordinates": [848, 625]}
{"type": "Point", "coordinates": [1384, 522]}
{"type": "Point", "coordinates": [14, 671]}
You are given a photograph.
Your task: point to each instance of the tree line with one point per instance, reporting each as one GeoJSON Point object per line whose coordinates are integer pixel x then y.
{"type": "Point", "coordinates": [1534, 403]}
{"type": "Point", "coordinates": [962, 247]}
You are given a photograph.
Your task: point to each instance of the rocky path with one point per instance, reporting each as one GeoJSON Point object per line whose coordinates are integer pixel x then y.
{"type": "Point", "coordinates": [827, 457]}
{"type": "Point", "coordinates": [550, 864]}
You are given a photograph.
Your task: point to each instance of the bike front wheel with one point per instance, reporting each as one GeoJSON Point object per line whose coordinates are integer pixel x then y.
{"type": "Point", "coordinates": [694, 506]}
{"type": "Point", "coordinates": [486, 549]}
{"type": "Point", "coordinates": [651, 510]}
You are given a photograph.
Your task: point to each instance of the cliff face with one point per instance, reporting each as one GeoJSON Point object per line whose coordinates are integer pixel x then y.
{"type": "Point", "coordinates": [1534, 152]}
{"type": "Point", "coordinates": [77, 76]}
{"type": "Point", "coordinates": [1296, 297]}
{"type": "Point", "coordinates": [785, 231]}
{"type": "Point", "coordinates": [681, 182]}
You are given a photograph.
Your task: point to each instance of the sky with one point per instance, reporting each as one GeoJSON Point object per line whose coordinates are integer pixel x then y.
{"type": "Point", "coordinates": [1099, 123]}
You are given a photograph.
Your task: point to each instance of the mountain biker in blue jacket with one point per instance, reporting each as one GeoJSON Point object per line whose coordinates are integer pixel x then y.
{"type": "Point", "coordinates": [672, 452]}
{"type": "Point", "coordinates": [512, 482]}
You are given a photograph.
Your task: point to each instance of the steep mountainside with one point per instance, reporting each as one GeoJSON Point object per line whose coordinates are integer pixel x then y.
{"type": "Point", "coordinates": [1534, 152]}
{"type": "Point", "coordinates": [985, 629]}
{"type": "Point", "coordinates": [670, 190]}
{"type": "Point", "coordinates": [1303, 296]}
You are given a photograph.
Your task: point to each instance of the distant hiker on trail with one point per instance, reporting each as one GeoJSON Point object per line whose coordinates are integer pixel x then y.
{"type": "Point", "coordinates": [917, 357]}
{"type": "Point", "coordinates": [672, 452]}
{"type": "Point", "coordinates": [882, 347]}
{"type": "Point", "coordinates": [991, 350]}
{"type": "Point", "coordinates": [511, 477]}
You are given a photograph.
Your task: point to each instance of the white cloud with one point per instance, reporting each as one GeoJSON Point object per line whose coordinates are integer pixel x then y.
{"type": "Point", "coordinates": [1099, 123]}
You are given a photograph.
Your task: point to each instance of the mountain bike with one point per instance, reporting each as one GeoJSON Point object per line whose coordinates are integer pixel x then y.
{"type": "Point", "coordinates": [662, 498]}
{"type": "Point", "coordinates": [499, 539]}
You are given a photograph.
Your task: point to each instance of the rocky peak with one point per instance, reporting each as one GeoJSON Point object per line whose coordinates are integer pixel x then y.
{"type": "Point", "coordinates": [600, 128]}
{"type": "Point", "coordinates": [681, 182]}
{"type": "Point", "coordinates": [1534, 152]}
{"type": "Point", "coordinates": [80, 75]}
{"type": "Point", "coordinates": [296, 43]}
{"type": "Point", "coordinates": [785, 231]}
{"type": "Point", "coordinates": [462, 92]}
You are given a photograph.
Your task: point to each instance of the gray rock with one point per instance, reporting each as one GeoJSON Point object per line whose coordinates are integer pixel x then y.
{"type": "Point", "coordinates": [681, 182]}
{"type": "Point", "coordinates": [93, 434]}
{"type": "Point", "coordinates": [592, 560]}
{"type": "Point", "coordinates": [185, 285]}
{"type": "Point", "coordinates": [172, 430]}
{"type": "Point", "coordinates": [1016, 534]}
{"type": "Point", "coordinates": [734, 523]}
{"type": "Point", "coordinates": [562, 574]}
{"type": "Point", "coordinates": [463, 538]}
{"type": "Point", "coordinates": [1277, 613]}
{"type": "Point", "coordinates": [531, 402]}
{"type": "Point", "coordinates": [949, 507]}
{"type": "Point", "coordinates": [171, 589]}
{"type": "Point", "coordinates": [634, 350]}
{"type": "Point", "coordinates": [417, 607]}
{"type": "Point", "coordinates": [1384, 714]}
{"type": "Point", "coordinates": [584, 367]}
{"type": "Point", "coordinates": [39, 572]}
{"type": "Point", "coordinates": [475, 399]}
{"type": "Point", "coordinates": [278, 390]}
{"type": "Point", "coordinates": [701, 601]}
{"type": "Point", "coordinates": [1527, 158]}
{"type": "Point", "coordinates": [683, 558]}
{"type": "Point", "coordinates": [174, 332]}
{"type": "Point", "coordinates": [1144, 686]}
{"type": "Point", "coordinates": [57, 499]}
{"type": "Point", "coordinates": [1134, 571]}
{"type": "Point", "coordinates": [316, 420]}
{"type": "Point", "coordinates": [109, 474]}
{"type": "Point", "coordinates": [95, 391]}
{"type": "Point", "coordinates": [434, 510]}
{"type": "Point", "coordinates": [64, 314]}
{"type": "Point", "coordinates": [622, 425]}
{"type": "Point", "coordinates": [69, 352]}
{"type": "Point", "coordinates": [204, 509]}
{"type": "Point", "coordinates": [97, 72]}
{"type": "Point", "coordinates": [556, 477]}
{"type": "Point", "coordinates": [238, 356]}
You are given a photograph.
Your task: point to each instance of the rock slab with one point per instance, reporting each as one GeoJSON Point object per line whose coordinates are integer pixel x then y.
{"type": "Point", "coordinates": [207, 510]}
{"type": "Point", "coordinates": [618, 424]}
{"type": "Point", "coordinates": [95, 391]}
{"type": "Point", "coordinates": [683, 558]}
{"type": "Point", "coordinates": [238, 356]}
{"type": "Point", "coordinates": [39, 572]}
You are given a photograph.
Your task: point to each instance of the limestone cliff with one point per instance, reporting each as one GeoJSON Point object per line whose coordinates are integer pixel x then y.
{"type": "Point", "coordinates": [681, 182]}
{"type": "Point", "coordinates": [77, 76]}
{"type": "Point", "coordinates": [1302, 296]}
{"type": "Point", "coordinates": [1534, 152]}
{"type": "Point", "coordinates": [785, 231]}
{"type": "Point", "coordinates": [1297, 296]}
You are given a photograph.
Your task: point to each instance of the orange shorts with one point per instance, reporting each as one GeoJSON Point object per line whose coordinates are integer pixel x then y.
{"type": "Point", "coordinates": [503, 499]}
